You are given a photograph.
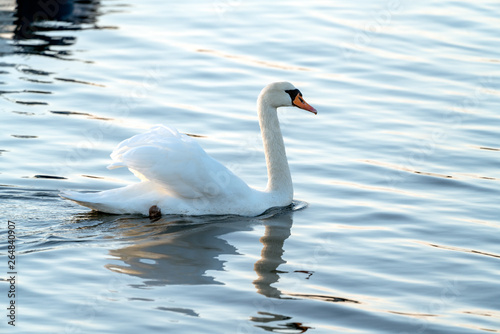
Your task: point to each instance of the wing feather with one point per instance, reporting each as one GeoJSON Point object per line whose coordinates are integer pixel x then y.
{"type": "Point", "coordinates": [175, 162]}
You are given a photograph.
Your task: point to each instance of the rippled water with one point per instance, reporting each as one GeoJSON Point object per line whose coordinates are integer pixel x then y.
{"type": "Point", "coordinates": [395, 227]}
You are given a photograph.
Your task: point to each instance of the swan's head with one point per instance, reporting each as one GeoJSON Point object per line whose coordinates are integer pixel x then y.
{"type": "Point", "coordinates": [284, 94]}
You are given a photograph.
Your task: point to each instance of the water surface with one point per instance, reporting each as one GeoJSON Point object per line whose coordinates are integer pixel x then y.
{"type": "Point", "coordinates": [395, 227]}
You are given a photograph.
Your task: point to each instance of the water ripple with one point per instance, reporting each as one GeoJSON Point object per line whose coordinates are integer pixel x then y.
{"type": "Point", "coordinates": [459, 249]}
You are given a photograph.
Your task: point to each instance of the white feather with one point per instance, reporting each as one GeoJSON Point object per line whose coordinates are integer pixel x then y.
{"type": "Point", "coordinates": [179, 177]}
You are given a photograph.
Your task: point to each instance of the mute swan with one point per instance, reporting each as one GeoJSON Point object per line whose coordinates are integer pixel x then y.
{"type": "Point", "coordinates": [179, 177]}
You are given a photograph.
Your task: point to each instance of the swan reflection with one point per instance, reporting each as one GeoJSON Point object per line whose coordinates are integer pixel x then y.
{"type": "Point", "coordinates": [183, 251]}
{"type": "Point", "coordinates": [277, 230]}
{"type": "Point", "coordinates": [182, 254]}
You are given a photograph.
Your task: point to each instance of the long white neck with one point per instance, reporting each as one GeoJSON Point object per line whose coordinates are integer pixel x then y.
{"type": "Point", "coordinates": [279, 179]}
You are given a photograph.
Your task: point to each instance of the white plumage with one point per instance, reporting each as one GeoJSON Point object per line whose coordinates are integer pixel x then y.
{"type": "Point", "coordinates": [179, 177]}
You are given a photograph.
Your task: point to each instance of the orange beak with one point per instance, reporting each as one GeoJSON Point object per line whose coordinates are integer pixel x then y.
{"type": "Point", "coordinates": [302, 104]}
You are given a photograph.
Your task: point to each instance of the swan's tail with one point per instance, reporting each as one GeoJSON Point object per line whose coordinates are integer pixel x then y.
{"type": "Point", "coordinates": [136, 198]}
{"type": "Point", "coordinates": [90, 200]}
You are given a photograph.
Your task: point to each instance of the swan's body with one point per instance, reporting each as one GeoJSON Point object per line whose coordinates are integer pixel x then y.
{"type": "Point", "coordinates": [179, 177]}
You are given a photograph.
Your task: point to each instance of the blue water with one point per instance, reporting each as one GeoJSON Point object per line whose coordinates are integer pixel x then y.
{"type": "Point", "coordinates": [395, 225]}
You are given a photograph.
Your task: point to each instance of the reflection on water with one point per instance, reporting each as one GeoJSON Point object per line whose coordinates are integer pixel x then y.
{"type": "Point", "coordinates": [181, 254]}
{"type": "Point", "coordinates": [179, 250]}
{"type": "Point", "coordinates": [277, 231]}
{"type": "Point", "coordinates": [289, 327]}
{"type": "Point", "coordinates": [30, 25]}
{"type": "Point", "coordinates": [42, 28]}
{"type": "Point", "coordinates": [183, 250]}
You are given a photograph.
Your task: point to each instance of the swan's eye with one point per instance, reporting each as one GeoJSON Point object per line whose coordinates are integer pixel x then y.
{"type": "Point", "coordinates": [293, 93]}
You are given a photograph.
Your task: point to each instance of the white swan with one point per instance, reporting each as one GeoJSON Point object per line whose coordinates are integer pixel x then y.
{"type": "Point", "coordinates": [179, 177]}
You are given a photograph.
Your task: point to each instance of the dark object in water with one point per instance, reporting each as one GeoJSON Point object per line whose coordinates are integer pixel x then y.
{"type": "Point", "coordinates": [154, 212]}
{"type": "Point", "coordinates": [49, 177]}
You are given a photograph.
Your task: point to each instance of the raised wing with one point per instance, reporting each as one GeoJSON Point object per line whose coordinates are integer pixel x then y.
{"type": "Point", "coordinates": [175, 162]}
